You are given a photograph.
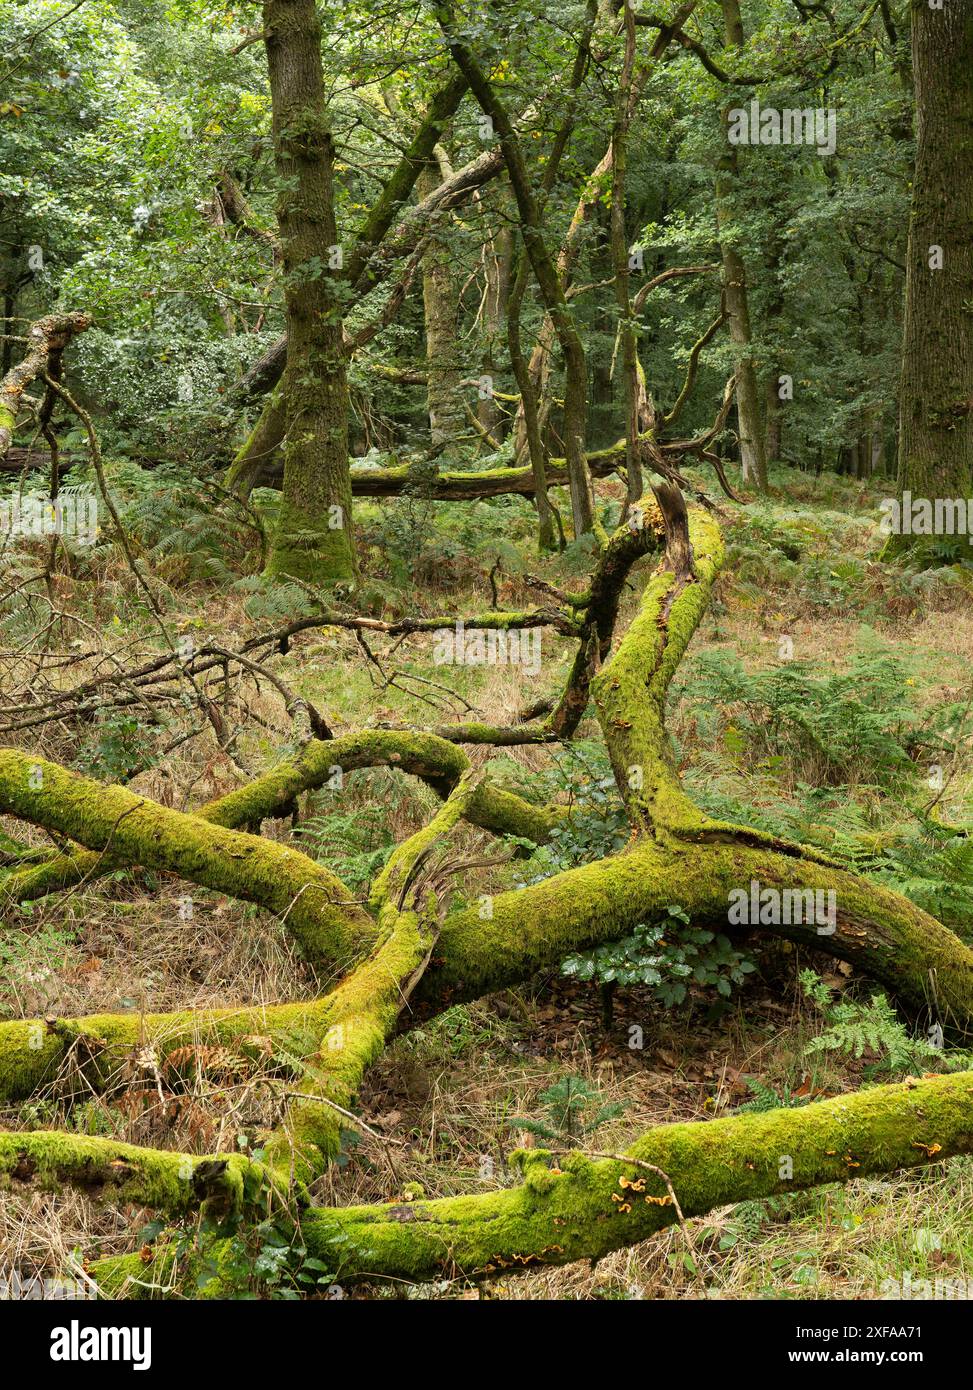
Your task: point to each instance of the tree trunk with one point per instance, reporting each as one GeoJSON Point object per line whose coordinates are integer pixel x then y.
{"type": "Point", "coordinates": [775, 420]}
{"type": "Point", "coordinates": [529, 410]}
{"type": "Point", "coordinates": [444, 397]}
{"type": "Point", "coordinates": [619, 249]}
{"type": "Point", "coordinates": [255, 457]}
{"type": "Point", "coordinates": [753, 453]}
{"type": "Point", "coordinates": [935, 457]}
{"type": "Point", "coordinates": [546, 274]}
{"type": "Point", "coordinates": [498, 253]}
{"type": "Point", "coordinates": [313, 539]}
{"type": "Point", "coordinates": [9, 310]}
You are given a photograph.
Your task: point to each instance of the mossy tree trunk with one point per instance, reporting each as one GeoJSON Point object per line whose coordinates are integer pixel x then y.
{"type": "Point", "coordinates": [936, 389]}
{"type": "Point", "coordinates": [444, 397]}
{"type": "Point", "coordinates": [313, 540]}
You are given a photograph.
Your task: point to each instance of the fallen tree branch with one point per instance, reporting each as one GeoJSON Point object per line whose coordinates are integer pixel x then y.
{"type": "Point", "coordinates": [322, 916]}
{"type": "Point", "coordinates": [579, 1210]}
{"type": "Point", "coordinates": [573, 1208]}
{"type": "Point", "coordinates": [677, 854]}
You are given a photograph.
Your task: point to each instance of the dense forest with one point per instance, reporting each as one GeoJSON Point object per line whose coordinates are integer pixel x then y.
{"type": "Point", "coordinates": [486, 507]}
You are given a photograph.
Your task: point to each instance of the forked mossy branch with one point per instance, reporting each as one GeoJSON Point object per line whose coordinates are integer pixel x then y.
{"type": "Point", "coordinates": [404, 958]}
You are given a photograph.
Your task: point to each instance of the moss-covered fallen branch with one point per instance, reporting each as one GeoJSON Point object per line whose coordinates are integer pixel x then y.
{"type": "Point", "coordinates": [677, 854]}
{"type": "Point", "coordinates": [591, 1208]}
{"type": "Point", "coordinates": [319, 910]}
{"type": "Point", "coordinates": [521, 932]}
{"type": "Point", "coordinates": [107, 1170]}
{"type": "Point", "coordinates": [434, 760]}
{"type": "Point", "coordinates": [631, 689]}
{"type": "Point", "coordinates": [573, 1207]}
{"type": "Point", "coordinates": [84, 1056]}
{"type": "Point", "coordinates": [361, 1012]}
{"type": "Point", "coordinates": [532, 929]}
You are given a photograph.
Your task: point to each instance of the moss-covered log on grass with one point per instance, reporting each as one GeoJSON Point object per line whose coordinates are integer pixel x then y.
{"type": "Point", "coordinates": [573, 1207]}
{"type": "Point", "coordinates": [106, 1169]}
{"type": "Point", "coordinates": [321, 914]}
{"type": "Point", "coordinates": [258, 463]}
{"type": "Point", "coordinates": [361, 1011]}
{"type": "Point", "coordinates": [590, 1208]}
{"type": "Point", "coordinates": [434, 760]}
{"type": "Point", "coordinates": [677, 855]}
{"type": "Point", "coordinates": [532, 929]}
{"type": "Point", "coordinates": [920, 961]}
{"type": "Point", "coordinates": [85, 1056]}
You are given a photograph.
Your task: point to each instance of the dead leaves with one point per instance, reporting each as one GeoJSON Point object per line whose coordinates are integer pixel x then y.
{"type": "Point", "coordinates": [89, 966]}
{"type": "Point", "coordinates": [144, 1109]}
{"type": "Point", "coordinates": [196, 1060]}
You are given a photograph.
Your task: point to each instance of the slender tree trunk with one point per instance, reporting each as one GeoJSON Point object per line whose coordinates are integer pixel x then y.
{"type": "Point", "coordinates": [936, 391]}
{"type": "Point", "coordinates": [313, 539]}
{"type": "Point", "coordinates": [444, 400]}
{"type": "Point", "coordinates": [619, 248]}
{"type": "Point", "coordinates": [773, 404]}
{"type": "Point", "coordinates": [9, 309]}
{"type": "Point", "coordinates": [589, 201]}
{"type": "Point", "coordinates": [753, 453]}
{"type": "Point", "coordinates": [775, 420]}
{"type": "Point", "coordinates": [498, 264]}
{"type": "Point", "coordinates": [528, 404]}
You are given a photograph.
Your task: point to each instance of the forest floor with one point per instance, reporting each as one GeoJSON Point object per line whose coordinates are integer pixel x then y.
{"type": "Point", "coordinates": [830, 739]}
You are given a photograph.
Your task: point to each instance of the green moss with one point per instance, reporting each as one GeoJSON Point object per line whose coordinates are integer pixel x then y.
{"type": "Point", "coordinates": [32, 1051]}
{"type": "Point", "coordinates": [437, 761]}
{"type": "Point", "coordinates": [108, 1170]}
{"type": "Point", "coordinates": [315, 904]}
{"type": "Point", "coordinates": [631, 690]}
{"type": "Point", "coordinates": [587, 1209]}
{"type": "Point", "coordinates": [306, 547]}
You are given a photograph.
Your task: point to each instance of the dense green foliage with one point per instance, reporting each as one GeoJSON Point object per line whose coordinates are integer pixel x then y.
{"type": "Point", "coordinates": [153, 104]}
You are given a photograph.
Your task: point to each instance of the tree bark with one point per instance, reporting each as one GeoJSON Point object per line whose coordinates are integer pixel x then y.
{"type": "Point", "coordinates": [935, 457]}
{"type": "Point", "coordinates": [498, 259]}
{"type": "Point", "coordinates": [45, 338]}
{"type": "Point", "coordinates": [753, 452]}
{"type": "Point", "coordinates": [546, 539]}
{"type": "Point", "coordinates": [444, 397]}
{"type": "Point", "coordinates": [313, 539]}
